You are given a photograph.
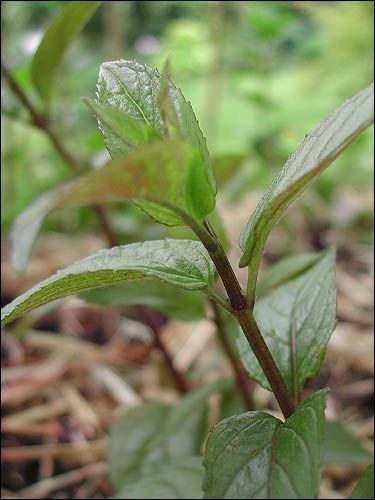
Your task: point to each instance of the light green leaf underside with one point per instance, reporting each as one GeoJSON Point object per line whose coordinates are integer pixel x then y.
{"type": "Point", "coordinates": [171, 301]}
{"type": "Point", "coordinates": [135, 89]}
{"type": "Point", "coordinates": [296, 321]}
{"type": "Point", "coordinates": [165, 177]}
{"type": "Point", "coordinates": [182, 479]}
{"type": "Point", "coordinates": [343, 448]}
{"type": "Point", "coordinates": [155, 434]}
{"type": "Point", "coordinates": [365, 486]}
{"type": "Point", "coordinates": [182, 263]}
{"type": "Point", "coordinates": [62, 31]}
{"type": "Point", "coordinates": [319, 149]}
{"type": "Point", "coordinates": [255, 455]}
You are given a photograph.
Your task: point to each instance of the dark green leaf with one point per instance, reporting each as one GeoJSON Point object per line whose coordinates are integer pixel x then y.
{"type": "Point", "coordinates": [319, 149]}
{"type": "Point", "coordinates": [342, 447]}
{"type": "Point", "coordinates": [62, 31]}
{"type": "Point", "coordinates": [296, 321]}
{"type": "Point", "coordinates": [182, 479]}
{"type": "Point", "coordinates": [173, 302]}
{"type": "Point", "coordinates": [165, 177]}
{"type": "Point", "coordinates": [255, 455]}
{"type": "Point", "coordinates": [365, 487]}
{"type": "Point", "coordinates": [153, 434]}
{"type": "Point", "coordinates": [182, 263]}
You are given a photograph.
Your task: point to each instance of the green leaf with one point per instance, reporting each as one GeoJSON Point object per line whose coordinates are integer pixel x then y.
{"type": "Point", "coordinates": [154, 434]}
{"type": "Point", "coordinates": [62, 31]}
{"type": "Point", "coordinates": [28, 223]}
{"type": "Point", "coordinates": [182, 479]}
{"type": "Point", "coordinates": [129, 438]}
{"type": "Point", "coordinates": [173, 302]}
{"type": "Point", "coordinates": [139, 91]}
{"type": "Point", "coordinates": [365, 486]}
{"type": "Point", "coordinates": [319, 149]}
{"type": "Point", "coordinates": [165, 177]}
{"type": "Point", "coordinates": [342, 447]}
{"type": "Point", "coordinates": [178, 118]}
{"type": "Point", "coordinates": [188, 406]}
{"type": "Point", "coordinates": [167, 174]}
{"type": "Point", "coordinates": [122, 132]}
{"type": "Point", "coordinates": [132, 88]}
{"type": "Point", "coordinates": [285, 270]}
{"type": "Point", "coordinates": [296, 321]}
{"type": "Point", "coordinates": [182, 263]}
{"type": "Point", "coordinates": [255, 455]}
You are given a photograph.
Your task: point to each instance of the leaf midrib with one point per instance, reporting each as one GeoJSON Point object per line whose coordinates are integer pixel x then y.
{"type": "Point", "coordinates": [122, 85]}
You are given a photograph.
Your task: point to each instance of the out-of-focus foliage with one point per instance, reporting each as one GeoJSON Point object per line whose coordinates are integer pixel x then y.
{"type": "Point", "coordinates": [259, 74]}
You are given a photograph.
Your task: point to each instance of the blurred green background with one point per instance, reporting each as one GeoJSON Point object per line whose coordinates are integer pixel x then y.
{"type": "Point", "coordinates": [260, 75]}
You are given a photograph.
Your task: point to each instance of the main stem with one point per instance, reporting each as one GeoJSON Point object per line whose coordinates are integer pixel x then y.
{"type": "Point", "coordinates": [41, 122]}
{"type": "Point", "coordinates": [242, 309]}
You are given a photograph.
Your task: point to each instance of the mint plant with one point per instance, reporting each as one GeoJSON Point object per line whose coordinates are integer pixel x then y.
{"type": "Point", "coordinates": [160, 162]}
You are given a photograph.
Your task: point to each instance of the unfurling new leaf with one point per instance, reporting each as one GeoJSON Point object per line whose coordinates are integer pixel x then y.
{"type": "Point", "coordinates": [143, 94]}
